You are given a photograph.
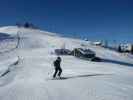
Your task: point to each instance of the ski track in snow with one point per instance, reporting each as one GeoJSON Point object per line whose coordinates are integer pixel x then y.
{"type": "Point", "coordinates": [30, 79]}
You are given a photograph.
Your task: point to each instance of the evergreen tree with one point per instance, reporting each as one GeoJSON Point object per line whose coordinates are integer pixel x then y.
{"type": "Point", "coordinates": [119, 49]}
{"type": "Point", "coordinates": [132, 49]}
{"type": "Point", "coordinates": [26, 25]}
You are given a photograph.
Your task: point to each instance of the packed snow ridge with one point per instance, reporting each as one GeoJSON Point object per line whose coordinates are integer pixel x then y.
{"type": "Point", "coordinates": [26, 71]}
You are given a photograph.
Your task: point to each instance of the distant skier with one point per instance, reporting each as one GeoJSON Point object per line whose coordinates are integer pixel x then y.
{"type": "Point", "coordinates": [57, 66]}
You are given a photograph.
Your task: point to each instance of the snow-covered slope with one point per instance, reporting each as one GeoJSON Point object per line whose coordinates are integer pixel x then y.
{"type": "Point", "coordinates": [29, 78]}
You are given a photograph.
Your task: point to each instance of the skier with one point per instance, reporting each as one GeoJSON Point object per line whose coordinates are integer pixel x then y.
{"type": "Point", "coordinates": [57, 66]}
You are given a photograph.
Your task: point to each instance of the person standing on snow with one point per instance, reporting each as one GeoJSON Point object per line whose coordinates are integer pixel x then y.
{"type": "Point", "coordinates": [57, 66]}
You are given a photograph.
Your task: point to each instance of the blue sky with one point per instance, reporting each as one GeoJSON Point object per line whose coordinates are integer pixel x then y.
{"type": "Point", "coordinates": [95, 19]}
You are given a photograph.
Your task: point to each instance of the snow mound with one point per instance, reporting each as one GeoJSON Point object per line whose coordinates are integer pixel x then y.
{"type": "Point", "coordinates": [14, 30]}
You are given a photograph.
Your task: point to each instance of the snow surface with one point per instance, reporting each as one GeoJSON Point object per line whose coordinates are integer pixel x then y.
{"type": "Point", "coordinates": [30, 77]}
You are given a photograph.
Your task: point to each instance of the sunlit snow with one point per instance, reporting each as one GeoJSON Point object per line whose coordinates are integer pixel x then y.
{"type": "Point", "coordinates": [31, 68]}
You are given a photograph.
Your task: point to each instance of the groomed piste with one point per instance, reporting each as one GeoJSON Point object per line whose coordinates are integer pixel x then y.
{"type": "Point", "coordinates": [31, 68]}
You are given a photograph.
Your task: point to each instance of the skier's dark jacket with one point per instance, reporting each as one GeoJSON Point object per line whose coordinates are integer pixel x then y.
{"type": "Point", "coordinates": [57, 63]}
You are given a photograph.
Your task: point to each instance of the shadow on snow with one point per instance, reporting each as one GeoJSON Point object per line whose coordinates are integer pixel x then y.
{"type": "Point", "coordinates": [79, 76]}
{"type": "Point", "coordinates": [117, 62]}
